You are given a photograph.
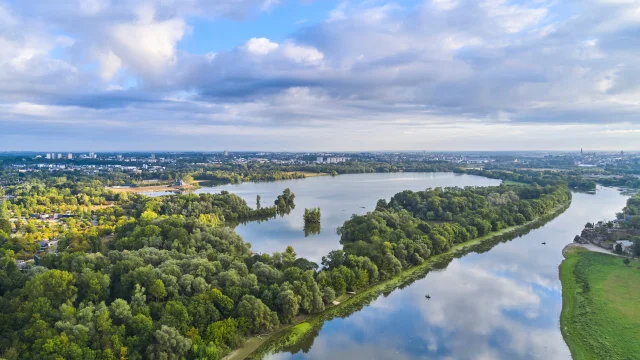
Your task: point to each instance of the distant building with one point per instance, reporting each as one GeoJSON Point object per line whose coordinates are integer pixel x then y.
{"type": "Point", "coordinates": [331, 160]}
{"type": "Point", "coordinates": [70, 156]}
{"type": "Point", "coordinates": [226, 153]}
{"type": "Point", "coordinates": [48, 156]}
{"type": "Point", "coordinates": [59, 156]}
{"type": "Point", "coordinates": [180, 183]}
{"type": "Point", "coordinates": [627, 246]}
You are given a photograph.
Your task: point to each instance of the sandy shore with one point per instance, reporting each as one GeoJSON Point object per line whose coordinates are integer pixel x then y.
{"type": "Point", "coordinates": [150, 188]}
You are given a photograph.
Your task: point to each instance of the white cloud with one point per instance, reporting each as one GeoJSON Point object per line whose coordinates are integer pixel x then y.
{"type": "Point", "coordinates": [92, 7]}
{"type": "Point", "coordinates": [513, 18]}
{"type": "Point", "coordinates": [444, 4]}
{"type": "Point", "coordinates": [302, 54]}
{"type": "Point", "coordinates": [148, 46]}
{"type": "Point", "coordinates": [260, 46]}
{"type": "Point", "coordinates": [25, 108]}
{"type": "Point", "coordinates": [109, 65]}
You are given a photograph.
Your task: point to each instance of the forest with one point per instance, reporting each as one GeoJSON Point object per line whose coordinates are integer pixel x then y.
{"type": "Point", "coordinates": [572, 179]}
{"type": "Point", "coordinates": [415, 225]}
{"type": "Point", "coordinates": [163, 278]}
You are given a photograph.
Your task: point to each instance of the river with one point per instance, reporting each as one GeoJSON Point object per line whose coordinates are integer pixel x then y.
{"type": "Point", "coordinates": [503, 303]}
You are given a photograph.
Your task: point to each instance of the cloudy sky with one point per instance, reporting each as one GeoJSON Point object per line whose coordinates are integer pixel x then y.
{"type": "Point", "coordinates": [319, 74]}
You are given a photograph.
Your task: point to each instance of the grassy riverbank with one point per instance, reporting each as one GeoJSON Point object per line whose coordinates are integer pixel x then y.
{"type": "Point", "coordinates": [290, 335]}
{"type": "Point", "coordinates": [600, 306]}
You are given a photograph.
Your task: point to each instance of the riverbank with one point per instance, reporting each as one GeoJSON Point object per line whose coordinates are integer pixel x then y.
{"type": "Point", "coordinates": [306, 174]}
{"type": "Point", "coordinates": [600, 316]}
{"type": "Point", "coordinates": [140, 189]}
{"type": "Point", "coordinates": [290, 335]}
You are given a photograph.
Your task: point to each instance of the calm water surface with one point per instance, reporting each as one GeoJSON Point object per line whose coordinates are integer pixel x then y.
{"type": "Point", "coordinates": [338, 198]}
{"type": "Point", "coordinates": [502, 304]}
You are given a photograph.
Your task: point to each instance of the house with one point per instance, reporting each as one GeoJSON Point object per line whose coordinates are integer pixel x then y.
{"type": "Point", "coordinates": [626, 245]}
{"type": "Point", "coordinates": [180, 183]}
{"type": "Point", "coordinates": [44, 245]}
{"type": "Point", "coordinates": [53, 245]}
{"type": "Point", "coordinates": [22, 265]}
{"type": "Point", "coordinates": [49, 246]}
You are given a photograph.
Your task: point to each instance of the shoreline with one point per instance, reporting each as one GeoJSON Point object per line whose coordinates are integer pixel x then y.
{"type": "Point", "coordinates": [588, 322]}
{"type": "Point", "coordinates": [292, 334]}
{"type": "Point", "coordinates": [141, 189]}
{"type": "Point", "coordinates": [197, 184]}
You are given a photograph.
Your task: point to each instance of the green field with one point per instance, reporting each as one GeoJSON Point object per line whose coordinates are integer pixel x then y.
{"type": "Point", "coordinates": [601, 306]}
{"type": "Point", "coordinates": [510, 182]}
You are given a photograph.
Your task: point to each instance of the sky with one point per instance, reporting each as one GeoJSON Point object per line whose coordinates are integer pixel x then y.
{"type": "Point", "coordinates": [319, 75]}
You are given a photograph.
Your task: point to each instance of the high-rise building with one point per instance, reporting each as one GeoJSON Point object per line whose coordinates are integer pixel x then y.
{"type": "Point", "coordinates": [48, 156]}
{"type": "Point", "coordinates": [70, 156]}
{"type": "Point", "coordinates": [226, 153]}
{"type": "Point", "coordinates": [59, 156]}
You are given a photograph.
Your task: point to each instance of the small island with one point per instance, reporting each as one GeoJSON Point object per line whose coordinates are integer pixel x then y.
{"type": "Point", "coordinates": [312, 216]}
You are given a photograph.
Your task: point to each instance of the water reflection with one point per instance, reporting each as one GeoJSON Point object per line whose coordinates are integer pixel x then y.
{"type": "Point", "coordinates": [311, 229]}
{"type": "Point", "coordinates": [499, 302]}
{"type": "Point", "coordinates": [338, 197]}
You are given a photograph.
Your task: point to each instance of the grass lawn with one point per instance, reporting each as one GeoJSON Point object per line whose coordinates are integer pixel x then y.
{"type": "Point", "coordinates": [601, 306]}
{"type": "Point", "coordinates": [510, 182]}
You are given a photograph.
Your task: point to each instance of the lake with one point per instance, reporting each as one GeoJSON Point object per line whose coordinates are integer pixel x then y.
{"type": "Point", "coordinates": [338, 198]}
{"type": "Point", "coordinates": [501, 304]}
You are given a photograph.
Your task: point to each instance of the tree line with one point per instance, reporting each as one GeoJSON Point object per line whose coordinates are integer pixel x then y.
{"type": "Point", "coordinates": [172, 282]}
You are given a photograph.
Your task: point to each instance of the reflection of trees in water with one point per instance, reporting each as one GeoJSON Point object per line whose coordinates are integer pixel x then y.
{"type": "Point", "coordinates": [285, 210]}
{"type": "Point", "coordinates": [306, 343]}
{"type": "Point", "coordinates": [282, 211]}
{"type": "Point", "coordinates": [311, 229]}
{"type": "Point", "coordinates": [234, 223]}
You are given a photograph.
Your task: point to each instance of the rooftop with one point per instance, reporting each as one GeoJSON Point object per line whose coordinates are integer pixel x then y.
{"type": "Point", "coordinates": [624, 242]}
